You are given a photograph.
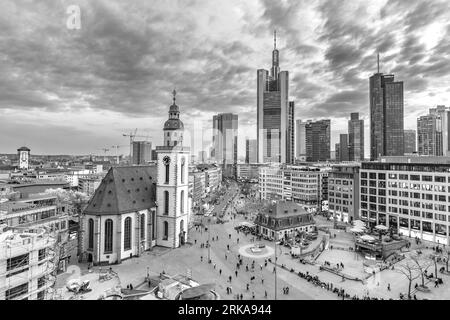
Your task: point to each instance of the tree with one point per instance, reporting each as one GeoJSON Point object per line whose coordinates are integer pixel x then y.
{"type": "Point", "coordinates": [422, 266]}
{"type": "Point", "coordinates": [411, 273]}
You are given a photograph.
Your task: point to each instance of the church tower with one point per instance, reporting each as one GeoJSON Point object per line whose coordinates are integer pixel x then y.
{"type": "Point", "coordinates": [172, 183]}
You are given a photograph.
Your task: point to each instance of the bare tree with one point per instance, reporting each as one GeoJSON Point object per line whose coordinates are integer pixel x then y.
{"type": "Point", "coordinates": [410, 272]}
{"type": "Point", "coordinates": [422, 266]}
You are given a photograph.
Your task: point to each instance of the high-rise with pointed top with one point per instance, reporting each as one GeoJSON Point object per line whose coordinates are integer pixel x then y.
{"type": "Point", "coordinates": [275, 114]}
{"type": "Point", "coordinates": [386, 115]}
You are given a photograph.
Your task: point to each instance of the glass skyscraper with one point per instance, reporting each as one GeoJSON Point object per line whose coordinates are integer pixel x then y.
{"type": "Point", "coordinates": [275, 114]}
{"type": "Point", "coordinates": [355, 137]}
{"type": "Point", "coordinates": [386, 116]}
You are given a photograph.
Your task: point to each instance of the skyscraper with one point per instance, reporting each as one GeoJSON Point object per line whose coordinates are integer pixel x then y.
{"type": "Point", "coordinates": [251, 149]}
{"type": "Point", "coordinates": [386, 116]}
{"type": "Point", "coordinates": [225, 128]}
{"type": "Point", "coordinates": [410, 141]}
{"type": "Point", "coordinates": [443, 115]}
{"type": "Point", "coordinates": [343, 148]}
{"type": "Point", "coordinates": [433, 132]}
{"type": "Point", "coordinates": [142, 152]}
{"type": "Point", "coordinates": [318, 140]}
{"type": "Point", "coordinates": [274, 114]}
{"type": "Point", "coordinates": [355, 137]}
{"type": "Point", "coordinates": [300, 140]}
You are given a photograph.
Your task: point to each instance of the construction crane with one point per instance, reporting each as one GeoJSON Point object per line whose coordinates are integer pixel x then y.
{"type": "Point", "coordinates": [117, 150]}
{"type": "Point", "coordinates": [105, 150]}
{"type": "Point", "coordinates": [132, 136]}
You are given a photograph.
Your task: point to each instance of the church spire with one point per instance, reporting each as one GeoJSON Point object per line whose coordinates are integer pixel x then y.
{"type": "Point", "coordinates": [378, 62]}
{"type": "Point", "coordinates": [174, 93]}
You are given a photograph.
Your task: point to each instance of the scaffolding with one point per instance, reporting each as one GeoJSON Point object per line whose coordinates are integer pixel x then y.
{"type": "Point", "coordinates": [28, 259]}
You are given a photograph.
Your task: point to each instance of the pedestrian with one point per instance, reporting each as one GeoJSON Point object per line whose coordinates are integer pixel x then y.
{"type": "Point", "coordinates": [236, 273]}
{"type": "Point", "coordinates": [229, 278]}
{"type": "Point", "coordinates": [231, 289]}
{"type": "Point", "coordinates": [214, 266]}
{"type": "Point", "coordinates": [260, 266]}
{"type": "Point", "coordinates": [195, 241]}
{"type": "Point", "coordinates": [248, 286]}
{"type": "Point", "coordinates": [220, 272]}
{"type": "Point", "coordinates": [238, 240]}
{"type": "Point", "coordinates": [389, 287]}
{"type": "Point", "coordinates": [265, 294]}
{"type": "Point", "coordinates": [253, 295]}
{"type": "Point", "coordinates": [228, 247]}
{"type": "Point", "coordinates": [242, 296]}
{"type": "Point", "coordinates": [262, 280]}
{"type": "Point", "coordinates": [201, 258]}
{"type": "Point", "coordinates": [229, 236]}
{"type": "Point", "coordinates": [226, 258]}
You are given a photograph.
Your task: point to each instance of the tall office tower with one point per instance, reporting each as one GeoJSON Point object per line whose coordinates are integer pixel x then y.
{"type": "Point", "coordinates": [251, 149]}
{"type": "Point", "coordinates": [273, 116]}
{"type": "Point", "coordinates": [318, 140]}
{"type": "Point", "coordinates": [202, 156]}
{"type": "Point", "coordinates": [290, 136]}
{"type": "Point", "coordinates": [443, 114]}
{"type": "Point", "coordinates": [355, 137]}
{"type": "Point", "coordinates": [429, 136]}
{"type": "Point", "coordinates": [343, 148]}
{"type": "Point", "coordinates": [386, 115]}
{"type": "Point", "coordinates": [337, 150]}
{"type": "Point", "coordinates": [433, 132]}
{"type": "Point", "coordinates": [300, 140]}
{"type": "Point", "coordinates": [410, 141]}
{"type": "Point", "coordinates": [142, 152]}
{"type": "Point", "coordinates": [225, 130]}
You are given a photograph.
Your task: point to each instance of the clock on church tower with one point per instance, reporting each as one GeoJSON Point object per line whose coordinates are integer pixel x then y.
{"type": "Point", "coordinates": [172, 183]}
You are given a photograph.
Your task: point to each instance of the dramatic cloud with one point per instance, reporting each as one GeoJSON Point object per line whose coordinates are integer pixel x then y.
{"type": "Point", "coordinates": [75, 91]}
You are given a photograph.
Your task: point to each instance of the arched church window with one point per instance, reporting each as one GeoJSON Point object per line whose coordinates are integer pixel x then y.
{"type": "Point", "coordinates": [166, 202]}
{"type": "Point", "coordinates": [182, 202]}
{"type": "Point", "coordinates": [166, 162]}
{"type": "Point", "coordinates": [108, 235]}
{"type": "Point", "coordinates": [91, 234]}
{"type": "Point", "coordinates": [143, 226]}
{"type": "Point", "coordinates": [182, 169]}
{"type": "Point", "coordinates": [127, 234]}
{"type": "Point", "coordinates": [166, 230]}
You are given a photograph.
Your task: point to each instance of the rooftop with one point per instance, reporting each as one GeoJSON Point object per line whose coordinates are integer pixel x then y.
{"type": "Point", "coordinates": [282, 209]}
{"type": "Point", "coordinates": [123, 190]}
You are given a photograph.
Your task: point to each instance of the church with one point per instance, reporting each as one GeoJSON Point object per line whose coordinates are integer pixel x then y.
{"type": "Point", "coordinates": [138, 207]}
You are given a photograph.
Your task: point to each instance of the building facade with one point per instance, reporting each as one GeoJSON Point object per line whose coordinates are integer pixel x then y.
{"type": "Point", "coordinates": [251, 150]}
{"type": "Point", "coordinates": [225, 130]}
{"type": "Point", "coordinates": [410, 141]}
{"type": "Point", "coordinates": [343, 192]}
{"type": "Point", "coordinates": [409, 195]}
{"type": "Point", "coordinates": [23, 154]}
{"type": "Point", "coordinates": [343, 148]}
{"type": "Point", "coordinates": [433, 132]}
{"type": "Point", "coordinates": [318, 140]}
{"type": "Point", "coordinates": [142, 152]}
{"type": "Point", "coordinates": [356, 137]}
{"type": "Point", "coordinates": [300, 136]}
{"type": "Point", "coordinates": [303, 184]}
{"type": "Point", "coordinates": [27, 264]}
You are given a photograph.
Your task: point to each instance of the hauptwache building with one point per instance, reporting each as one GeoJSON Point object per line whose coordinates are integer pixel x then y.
{"type": "Point", "coordinates": [138, 207]}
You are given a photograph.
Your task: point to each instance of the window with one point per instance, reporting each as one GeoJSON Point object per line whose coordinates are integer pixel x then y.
{"type": "Point", "coordinates": [41, 282]}
{"type": "Point", "coordinates": [127, 234]}
{"type": "Point", "coordinates": [182, 170]}
{"type": "Point", "coordinates": [439, 179]}
{"type": "Point", "coordinates": [166, 230]}
{"type": "Point", "coordinates": [153, 225]}
{"type": "Point", "coordinates": [142, 226]}
{"type": "Point", "coordinates": [41, 254]}
{"type": "Point", "coordinates": [108, 235]}
{"type": "Point", "coordinates": [167, 172]}
{"type": "Point", "coordinates": [182, 201]}
{"type": "Point", "coordinates": [17, 262]}
{"type": "Point", "coordinates": [91, 234]}
{"type": "Point", "coordinates": [16, 291]}
{"type": "Point", "coordinates": [166, 202]}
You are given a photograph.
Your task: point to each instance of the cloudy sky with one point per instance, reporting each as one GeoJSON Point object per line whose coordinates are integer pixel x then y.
{"type": "Point", "coordinates": [68, 91]}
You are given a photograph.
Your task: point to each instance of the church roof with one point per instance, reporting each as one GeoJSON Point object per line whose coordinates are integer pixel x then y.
{"type": "Point", "coordinates": [123, 190]}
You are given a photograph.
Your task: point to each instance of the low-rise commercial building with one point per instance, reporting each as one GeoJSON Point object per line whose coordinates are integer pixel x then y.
{"type": "Point", "coordinates": [284, 219]}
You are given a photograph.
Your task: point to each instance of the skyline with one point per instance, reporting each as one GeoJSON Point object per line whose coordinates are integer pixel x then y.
{"type": "Point", "coordinates": [75, 91]}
